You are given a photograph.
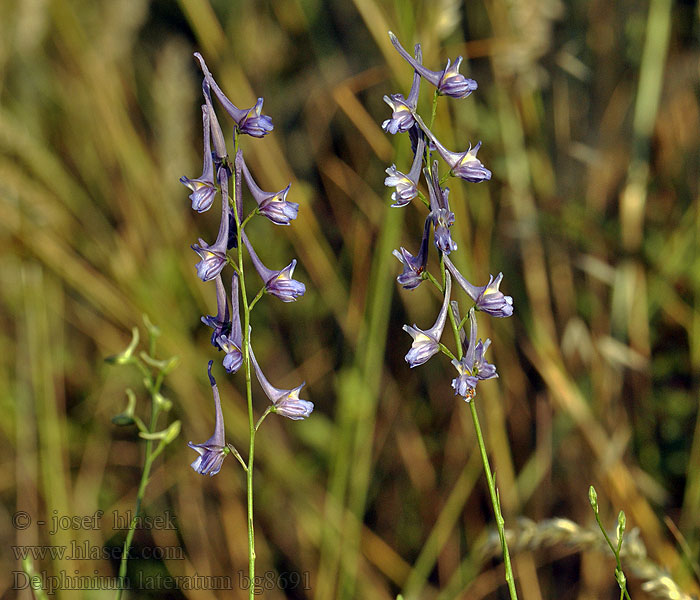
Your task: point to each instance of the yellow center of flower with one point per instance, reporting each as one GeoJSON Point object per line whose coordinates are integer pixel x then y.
{"type": "Point", "coordinates": [421, 338]}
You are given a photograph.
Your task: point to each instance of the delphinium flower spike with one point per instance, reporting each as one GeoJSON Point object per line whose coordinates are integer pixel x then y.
{"type": "Point", "coordinates": [212, 452]}
{"type": "Point", "coordinates": [471, 365]}
{"type": "Point", "coordinates": [448, 82]}
{"type": "Point", "coordinates": [232, 333]}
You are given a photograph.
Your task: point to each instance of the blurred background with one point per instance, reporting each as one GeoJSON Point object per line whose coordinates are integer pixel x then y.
{"type": "Point", "coordinates": [590, 120]}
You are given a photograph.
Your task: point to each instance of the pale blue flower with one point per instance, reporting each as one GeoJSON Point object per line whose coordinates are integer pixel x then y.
{"type": "Point", "coordinates": [448, 82]}
{"type": "Point", "coordinates": [487, 298]}
{"type": "Point", "coordinates": [284, 402]}
{"type": "Point", "coordinates": [427, 343]}
{"type": "Point", "coordinates": [473, 365]}
{"type": "Point", "coordinates": [212, 452]}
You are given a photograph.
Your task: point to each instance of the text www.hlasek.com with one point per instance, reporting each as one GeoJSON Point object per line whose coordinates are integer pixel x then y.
{"type": "Point", "coordinates": [86, 551]}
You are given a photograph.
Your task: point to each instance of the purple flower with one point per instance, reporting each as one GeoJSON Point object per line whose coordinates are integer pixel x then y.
{"type": "Point", "coordinates": [473, 365]}
{"type": "Point", "coordinates": [220, 322]}
{"type": "Point", "coordinates": [406, 185]}
{"type": "Point", "coordinates": [213, 260]}
{"type": "Point", "coordinates": [488, 298]}
{"type": "Point", "coordinates": [249, 121]}
{"type": "Point", "coordinates": [277, 283]}
{"type": "Point", "coordinates": [212, 452]}
{"type": "Point", "coordinates": [464, 165]}
{"type": "Point", "coordinates": [203, 188]}
{"type": "Point", "coordinates": [214, 256]}
{"type": "Point", "coordinates": [233, 342]}
{"type": "Point", "coordinates": [414, 266]}
{"type": "Point", "coordinates": [273, 205]}
{"type": "Point", "coordinates": [427, 343]}
{"type": "Point", "coordinates": [440, 212]}
{"type": "Point", "coordinates": [284, 402]}
{"type": "Point", "coordinates": [448, 82]}
{"type": "Point", "coordinates": [402, 108]}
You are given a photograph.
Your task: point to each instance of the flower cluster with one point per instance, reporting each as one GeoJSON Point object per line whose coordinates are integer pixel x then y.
{"type": "Point", "coordinates": [223, 176]}
{"type": "Point", "coordinates": [470, 363]}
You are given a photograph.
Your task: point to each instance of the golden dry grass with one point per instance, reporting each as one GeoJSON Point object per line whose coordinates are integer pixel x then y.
{"type": "Point", "coordinates": [590, 120]}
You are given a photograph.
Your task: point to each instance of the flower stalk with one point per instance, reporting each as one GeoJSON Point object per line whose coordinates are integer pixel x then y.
{"type": "Point", "coordinates": [471, 364]}
{"type": "Point", "coordinates": [234, 335]}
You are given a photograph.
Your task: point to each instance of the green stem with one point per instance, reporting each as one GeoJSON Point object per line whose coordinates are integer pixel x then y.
{"type": "Point", "coordinates": [262, 418]}
{"type": "Point", "coordinates": [616, 552]}
{"type": "Point", "coordinates": [423, 199]}
{"type": "Point", "coordinates": [432, 116]}
{"type": "Point", "coordinates": [446, 351]}
{"type": "Point", "coordinates": [434, 281]}
{"type": "Point", "coordinates": [259, 295]}
{"type": "Point", "coordinates": [248, 218]}
{"type": "Point", "coordinates": [510, 580]}
{"type": "Point", "coordinates": [154, 388]}
{"type": "Point", "coordinates": [249, 389]}
{"type": "Point", "coordinates": [500, 524]}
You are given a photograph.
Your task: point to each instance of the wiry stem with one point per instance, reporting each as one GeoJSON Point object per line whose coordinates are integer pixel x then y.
{"type": "Point", "coordinates": [493, 492]}
{"type": "Point", "coordinates": [248, 385]}
{"type": "Point", "coordinates": [154, 388]}
{"type": "Point", "coordinates": [496, 503]}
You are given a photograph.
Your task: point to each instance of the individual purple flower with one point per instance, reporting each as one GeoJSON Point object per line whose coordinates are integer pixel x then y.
{"type": "Point", "coordinates": [487, 298]}
{"type": "Point", "coordinates": [214, 256]}
{"type": "Point", "coordinates": [212, 452]}
{"type": "Point", "coordinates": [473, 365]}
{"type": "Point", "coordinates": [249, 121]}
{"type": "Point", "coordinates": [414, 266]}
{"type": "Point", "coordinates": [277, 283]}
{"type": "Point", "coordinates": [284, 402]}
{"type": "Point", "coordinates": [443, 217]}
{"type": "Point", "coordinates": [203, 188]}
{"type": "Point", "coordinates": [427, 343]}
{"type": "Point", "coordinates": [220, 322]}
{"type": "Point", "coordinates": [449, 81]}
{"type": "Point", "coordinates": [406, 185]}
{"type": "Point", "coordinates": [233, 342]}
{"type": "Point", "coordinates": [464, 165]}
{"type": "Point", "coordinates": [254, 123]}
{"type": "Point", "coordinates": [402, 108]}
{"type": "Point", "coordinates": [273, 205]}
